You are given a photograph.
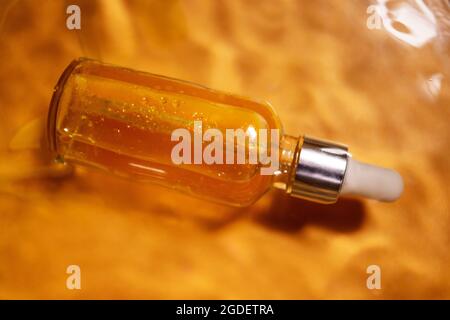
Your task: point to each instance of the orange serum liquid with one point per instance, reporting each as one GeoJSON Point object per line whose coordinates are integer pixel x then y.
{"type": "Point", "coordinates": [121, 121]}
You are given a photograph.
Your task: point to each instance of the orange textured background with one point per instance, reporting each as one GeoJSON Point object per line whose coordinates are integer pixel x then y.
{"type": "Point", "coordinates": [326, 74]}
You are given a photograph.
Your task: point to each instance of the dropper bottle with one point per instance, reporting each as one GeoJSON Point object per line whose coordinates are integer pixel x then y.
{"type": "Point", "coordinates": [123, 121]}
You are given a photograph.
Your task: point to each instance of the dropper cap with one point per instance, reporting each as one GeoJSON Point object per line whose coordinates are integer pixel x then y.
{"type": "Point", "coordinates": [325, 170]}
{"type": "Point", "coordinates": [371, 181]}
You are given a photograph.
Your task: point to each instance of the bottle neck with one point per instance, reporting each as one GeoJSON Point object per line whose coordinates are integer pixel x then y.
{"type": "Point", "coordinates": [289, 151]}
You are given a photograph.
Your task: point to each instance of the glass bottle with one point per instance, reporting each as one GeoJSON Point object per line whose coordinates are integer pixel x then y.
{"type": "Point", "coordinates": [123, 121]}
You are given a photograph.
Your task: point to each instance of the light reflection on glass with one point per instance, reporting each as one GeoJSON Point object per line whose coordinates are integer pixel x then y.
{"type": "Point", "coordinates": [140, 166]}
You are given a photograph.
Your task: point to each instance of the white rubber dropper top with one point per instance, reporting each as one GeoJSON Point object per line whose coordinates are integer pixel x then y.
{"type": "Point", "coordinates": [371, 181]}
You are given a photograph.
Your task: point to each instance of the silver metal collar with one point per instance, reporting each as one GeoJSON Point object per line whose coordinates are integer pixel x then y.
{"type": "Point", "coordinates": [320, 170]}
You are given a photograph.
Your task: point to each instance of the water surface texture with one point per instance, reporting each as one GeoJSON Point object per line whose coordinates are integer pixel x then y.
{"type": "Point", "coordinates": [371, 74]}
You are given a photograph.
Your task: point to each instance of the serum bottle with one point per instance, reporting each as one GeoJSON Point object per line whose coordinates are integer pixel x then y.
{"type": "Point", "coordinates": [122, 121]}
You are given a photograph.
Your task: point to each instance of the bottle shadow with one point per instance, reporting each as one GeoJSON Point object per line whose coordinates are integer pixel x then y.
{"type": "Point", "coordinates": [288, 214]}
{"type": "Point", "coordinates": [279, 212]}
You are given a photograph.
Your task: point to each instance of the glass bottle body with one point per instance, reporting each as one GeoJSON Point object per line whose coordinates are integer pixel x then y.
{"type": "Point", "coordinates": [122, 121]}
